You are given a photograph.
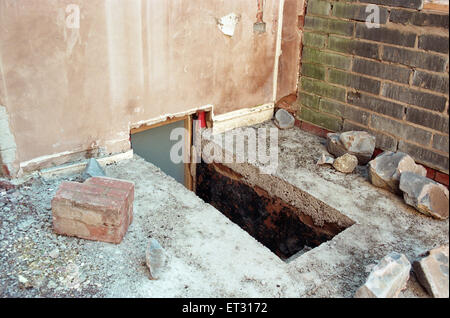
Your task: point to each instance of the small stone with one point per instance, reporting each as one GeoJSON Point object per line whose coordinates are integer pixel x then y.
{"type": "Point", "coordinates": [23, 282]}
{"type": "Point", "coordinates": [358, 143]}
{"type": "Point", "coordinates": [284, 120]}
{"type": "Point", "coordinates": [386, 169]}
{"type": "Point", "coordinates": [426, 195]}
{"type": "Point", "coordinates": [155, 259]}
{"type": "Point", "coordinates": [325, 160]}
{"type": "Point", "coordinates": [346, 163]}
{"type": "Point", "coordinates": [93, 169]}
{"type": "Point", "coordinates": [54, 253]}
{"type": "Point", "coordinates": [52, 285]}
{"type": "Point", "coordinates": [387, 279]}
{"type": "Point", "coordinates": [432, 272]}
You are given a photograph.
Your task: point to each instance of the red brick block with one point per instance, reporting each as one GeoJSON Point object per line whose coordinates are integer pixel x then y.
{"type": "Point", "coordinates": [441, 178]}
{"type": "Point", "coordinates": [101, 209]}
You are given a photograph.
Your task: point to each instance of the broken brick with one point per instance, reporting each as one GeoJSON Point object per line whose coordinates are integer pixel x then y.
{"type": "Point", "coordinates": [100, 209]}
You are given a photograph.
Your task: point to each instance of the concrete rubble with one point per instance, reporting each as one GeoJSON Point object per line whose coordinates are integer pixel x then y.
{"type": "Point", "coordinates": [387, 279]}
{"type": "Point", "coordinates": [426, 195]}
{"type": "Point", "coordinates": [358, 143]}
{"type": "Point", "coordinates": [283, 119]}
{"type": "Point", "coordinates": [325, 160]}
{"type": "Point", "coordinates": [155, 259]}
{"type": "Point", "coordinates": [432, 272]}
{"type": "Point", "coordinates": [346, 163]}
{"type": "Point", "coordinates": [386, 169]}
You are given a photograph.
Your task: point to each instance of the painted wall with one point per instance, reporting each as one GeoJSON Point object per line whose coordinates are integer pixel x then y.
{"type": "Point", "coordinates": [68, 90]}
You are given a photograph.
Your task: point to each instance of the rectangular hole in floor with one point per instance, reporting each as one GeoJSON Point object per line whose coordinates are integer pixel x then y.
{"type": "Point", "coordinates": [279, 226]}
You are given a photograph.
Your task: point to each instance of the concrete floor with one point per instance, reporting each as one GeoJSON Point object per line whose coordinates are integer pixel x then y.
{"type": "Point", "coordinates": [209, 256]}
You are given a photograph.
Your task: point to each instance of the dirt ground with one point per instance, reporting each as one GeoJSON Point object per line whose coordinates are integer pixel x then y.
{"type": "Point", "coordinates": [208, 255]}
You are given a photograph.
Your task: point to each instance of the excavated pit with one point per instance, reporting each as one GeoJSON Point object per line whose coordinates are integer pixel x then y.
{"type": "Point", "coordinates": [281, 227]}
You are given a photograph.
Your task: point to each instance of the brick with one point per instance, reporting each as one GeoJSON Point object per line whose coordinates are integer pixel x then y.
{"type": "Point", "coordinates": [321, 119]}
{"type": "Point", "coordinates": [425, 156]}
{"type": "Point", "coordinates": [411, 4]}
{"type": "Point", "coordinates": [311, 55]}
{"type": "Point", "coordinates": [96, 210]}
{"type": "Point", "coordinates": [400, 129]}
{"type": "Point", "coordinates": [419, 18]}
{"type": "Point", "coordinates": [356, 12]}
{"type": "Point", "coordinates": [386, 35]}
{"type": "Point", "coordinates": [345, 111]}
{"type": "Point", "coordinates": [318, 7]}
{"type": "Point", "coordinates": [327, 25]}
{"type": "Point", "coordinates": [354, 81]}
{"type": "Point", "coordinates": [376, 104]}
{"type": "Point", "coordinates": [309, 100]}
{"type": "Point", "coordinates": [430, 42]}
{"type": "Point", "coordinates": [414, 97]}
{"type": "Point", "coordinates": [119, 189]}
{"type": "Point", "coordinates": [440, 142]}
{"type": "Point", "coordinates": [322, 89]}
{"type": "Point", "coordinates": [413, 58]}
{"type": "Point", "coordinates": [381, 70]}
{"type": "Point", "coordinates": [435, 82]}
{"type": "Point", "coordinates": [427, 119]}
{"type": "Point", "coordinates": [442, 178]}
{"type": "Point", "coordinates": [314, 129]}
{"type": "Point", "coordinates": [314, 39]}
{"type": "Point", "coordinates": [354, 47]}
{"type": "Point", "coordinates": [313, 70]}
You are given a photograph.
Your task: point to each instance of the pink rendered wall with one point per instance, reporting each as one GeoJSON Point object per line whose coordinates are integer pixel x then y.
{"type": "Point", "coordinates": [67, 90]}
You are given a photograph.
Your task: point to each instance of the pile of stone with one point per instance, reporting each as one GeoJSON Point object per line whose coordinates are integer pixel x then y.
{"type": "Point", "coordinates": [398, 173]}
{"type": "Point", "coordinates": [393, 171]}
{"type": "Point", "coordinates": [350, 149]}
{"type": "Point", "coordinates": [390, 276]}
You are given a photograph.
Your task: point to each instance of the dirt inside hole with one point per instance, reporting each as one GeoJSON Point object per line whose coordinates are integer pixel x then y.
{"type": "Point", "coordinates": [276, 224]}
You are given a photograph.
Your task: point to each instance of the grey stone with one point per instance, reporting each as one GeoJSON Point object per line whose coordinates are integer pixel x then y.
{"type": "Point", "coordinates": [155, 258]}
{"type": "Point", "coordinates": [284, 120]}
{"type": "Point", "coordinates": [54, 253]}
{"type": "Point", "coordinates": [93, 169]}
{"type": "Point", "coordinates": [346, 163]}
{"type": "Point", "coordinates": [386, 169]}
{"type": "Point", "coordinates": [358, 143]}
{"type": "Point", "coordinates": [387, 279]}
{"type": "Point", "coordinates": [426, 195]}
{"type": "Point", "coordinates": [325, 160]}
{"type": "Point", "coordinates": [432, 272]}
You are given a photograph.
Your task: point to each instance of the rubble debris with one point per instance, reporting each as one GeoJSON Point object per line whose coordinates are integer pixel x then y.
{"type": "Point", "coordinates": [325, 160]}
{"type": "Point", "coordinates": [346, 163]}
{"type": "Point", "coordinates": [432, 272]}
{"type": "Point", "coordinates": [426, 195]}
{"type": "Point", "coordinates": [93, 169]}
{"type": "Point", "coordinates": [283, 119]}
{"type": "Point", "coordinates": [155, 258]}
{"type": "Point", "coordinates": [386, 169]}
{"type": "Point", "coordinates": [358, 143]}
{"type": "Point", "coordinates": [387, 279]}
{"type": "Point", "coordinates": [54, 253]}
{"type": "Point", "coordinates": [24, 283]}
{"type": "Point", "coordinates": [99, 209]}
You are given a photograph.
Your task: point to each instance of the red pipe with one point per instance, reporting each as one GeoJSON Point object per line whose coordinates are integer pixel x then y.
{"type": "Point", "coordinates": [201, 117]}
